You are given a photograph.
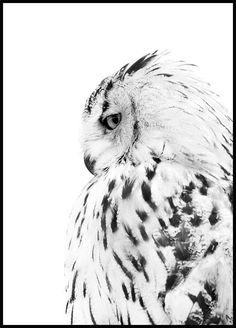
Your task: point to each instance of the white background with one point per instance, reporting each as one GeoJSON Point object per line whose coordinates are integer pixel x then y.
{"type": "Point", "coordinates": [54, 56]}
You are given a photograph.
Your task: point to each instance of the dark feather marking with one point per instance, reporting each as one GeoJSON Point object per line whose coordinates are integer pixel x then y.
{"type": "Point", "coordinates": [128, 318]}
{"type": "Point", "coordinates": [140, 63]}
{"type": "Point", "coordinates": [145, 275]}
{"type": "Point", "coordinates": [186, 197]}
{"type": "Point", "coordinates": [105, 203]}
{"type": "Point", "coordinates": [142, 215]}
{"type": "Point", "coordinates": [108, 88]}
{"type": "Point", "coordinates": [105, 240]}
{"type": "Point", "coordinates": [67, 303]}
{"type": "Point", "coordinates": [227, 141]}
{"type": "Point", "coordinates": [117, 314]}
{"type": "Point", "coordinates": [154, 69]}
{"type": "Point", "coordinates": [228, 152]}
{"type": "Point", "coordinates": [175, 220]}
{"type": "Point", "coordinates": [183, 85]}
{"type": "Point", "coordinates": [89, 163]}
{"type": "Point", "coordinates": [150, 173]}
{"type": "Point", "coordinates": [205, 185]}
{"type": "Point", "coordinates": [224, 170]}
{"type": "Point", "coordinates": [173, 207]}
{"type": "Point", "coordinates": [85, 199]}
{"type": "Point", "coordinates": [161, 255]}
{"type": "Point", "coordinates": [123, 268]}
{"type": "Point", "coordinates": [125, 291]}
{"type": "Point", "coordinates": [141, 302]}
{"type": "Point", "coordinates": [79, 228]}
{"type": "Point", "coordinates": [185, 271]}
{"type": "Point", "coordinates": [105, 106]}
{"type": "Point", "coordinates": [213, 218]}
{"type": "Point", "coordinates": [91, 313]}
{"type": "Point", "coordinates": [230, 195]}
{"type": "Point", "coordinates": [143, 233]}
{"type": "Point", "coordinates": [132, 238]}
{"type": "Point", "coordinates": [190, 187]}
{"type": "Point", "coordinates": [210, 290]}
{"type": "Point", "coordinates": [111, 185]}
{"type": "Point", "coordinates": [172, 280]}
{"type": "Point", "coordinates": [80, 240]}
{"type": "Point", "coordinates": [182, 251]}
{"type": "Point", "coordinates": [143, 263]}
{"type": "Point", "coordinates": [133, 295]}
{"type": "Point", "coordinates": [183, 234]}
{"type": "Point", "coordinates": [193, 321]}
{"type": "Point", "coordinates": [214, 321]}
{"type": "Point", "coordinates": [77, 217]}
{"type": "Point", "coordinates": [187, 209]}
{"type": "Point", "coordinates": [211, 249]}
{"type": "Point", "coordinates": [104, 228]}
{"type": "Point", "coordinates": [114, 226]}
{"type": "Point", "coordinates": [203, 190]}
{"type": "Point", "coordinates": [84, 289]}
{"type": "Point", "coordinates": [91, 185]}
{"type": "Point", "coordinates": [162, 223]}
{"type": "Point", "coordinates": [161, 297]}
{"type": "Point", "coordinates": [121, 320]}
{"type": "Point", "coordinates": [165, 75]}
{"type": "Point", "coordinates": [93, 253]}
{"type": "Point", "coordinates": [135, 263]}
{"type": "Point", "coordinates": [109, 85]}
{"type": "Point", "coordinates": [72, 298]}
{"type": "Point", "coordinates": [73, 266]}
{"type": "Point", "coordinates": [147, 196]}
{"type": "Point", "coordinates": [157, 160]}
{"type": "Point", "coordinates": [127, 189]}
{"type": "Point", "coordinates": [72, 314]}
{"type": "Point", "coordinates": [103, 223]}
{"type": "Point", "coordinates": [94, 212]}
{"type": "Point", "coordinates": [142, 260]}
{"type": "Point", "coordinates": [108, 283]}
{"type": "Point", "coordinates": [150, 318]}
{"type": "Point", "coordinates": [163, 240]}
{"type": "Point", "coordinates": [139, 265]}
{"type": "Point", "coordinates": [192, 297]}
{"type": "Point", "coordinates": [203, 305]}
{"type": "Point", "coordinates": [183, 94]}
{"type": "Point", "coordinates": [196, 220]}
{"type": "Point", "coordinates": [99, 284]}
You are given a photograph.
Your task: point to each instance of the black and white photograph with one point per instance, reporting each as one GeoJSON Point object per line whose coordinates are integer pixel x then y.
{"type": "Point", "coordinates": [117, 163]}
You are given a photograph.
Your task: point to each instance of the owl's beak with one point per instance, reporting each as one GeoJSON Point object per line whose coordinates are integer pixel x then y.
{"type": "Point", "coordinates": [89, 163]}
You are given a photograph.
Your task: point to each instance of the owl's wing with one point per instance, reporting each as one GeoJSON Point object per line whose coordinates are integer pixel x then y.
{"type": "Point", "coordinates": [195, 245]}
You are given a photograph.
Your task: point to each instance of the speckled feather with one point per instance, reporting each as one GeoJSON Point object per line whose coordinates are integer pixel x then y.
{"type": "Point", "coordinates": [150, 238]}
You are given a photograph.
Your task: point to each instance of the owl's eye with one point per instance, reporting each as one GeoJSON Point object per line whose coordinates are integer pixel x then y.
{"type": "Point", "coordinates": [112, 121]}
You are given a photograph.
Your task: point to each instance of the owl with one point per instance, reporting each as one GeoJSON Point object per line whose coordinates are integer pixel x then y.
{"type": "Point", "coordinates": [150, 238]}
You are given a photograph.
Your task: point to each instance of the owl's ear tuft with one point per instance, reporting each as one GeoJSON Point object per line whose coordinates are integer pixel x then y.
{"type": "Point", "coordinates": [140, 63]}
{"type": "Point", "coordinates": [130, 69]}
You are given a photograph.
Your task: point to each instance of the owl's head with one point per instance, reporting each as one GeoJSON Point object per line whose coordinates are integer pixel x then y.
{"type": "Point", "coordinates": [154, 109]}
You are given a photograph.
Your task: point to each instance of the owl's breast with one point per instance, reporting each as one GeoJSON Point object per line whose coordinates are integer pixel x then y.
{"type": "Point", "coordinates": [140, 233]}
